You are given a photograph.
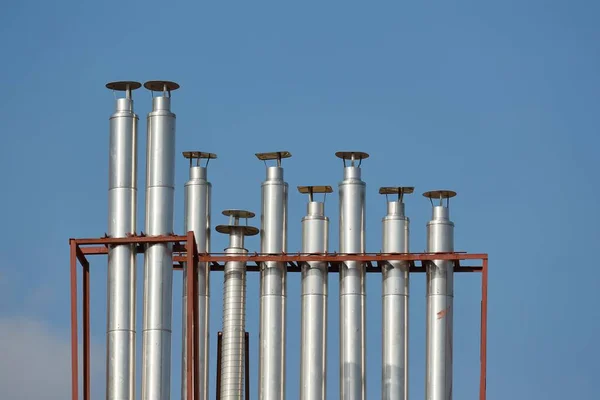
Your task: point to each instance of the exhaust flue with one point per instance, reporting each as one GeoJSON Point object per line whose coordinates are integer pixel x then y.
{"type": "Point", "coordinates": [234, 306]}
{"type": "Point", "coordinates": [122, 200]}
{"type": "Point", "coordinates": [440, 295]}
{"type": "Point", "coordinates": [158, 261]}
{"type": "Point", "coordinates": [273, 235]}
{"type": "Point", "coordinates": [394, 293]}
{"type": "Point", "coordinates": [197, 198]}
{"type": "Point", "coordinates": [352, 279]}
{"type": "Point", "coordinates": [313, 344]}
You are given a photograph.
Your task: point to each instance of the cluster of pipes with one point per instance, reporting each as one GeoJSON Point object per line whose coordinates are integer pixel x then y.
{"type": "Point", "coordinates": [158, 275]}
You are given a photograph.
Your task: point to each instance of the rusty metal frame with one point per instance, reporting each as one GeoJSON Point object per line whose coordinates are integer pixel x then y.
{"type": "Point", "coordinates": [185, 251]}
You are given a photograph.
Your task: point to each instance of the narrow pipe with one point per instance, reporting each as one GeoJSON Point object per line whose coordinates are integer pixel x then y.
{"type": "Point", "coordinates": [234, 308]}
{"type": "Point", "coordinates": [273, 287]}
{"type": "Point", "coordinates": [122, 199]}
{"type": "Point", "coordinates": [395, 283]}
{"type": "Point", "coordinates": [234, 315]}
{"type": "Point", "coordinates": [313, 346]}
{"type": "Point", "coordinates": [440, 293]}
{"type": "Point", "coordinates": [158, 262]}
{"type": "Point", "coordinates": [197, 219]}
{"type": "Point", "coordinates": [352, 286]}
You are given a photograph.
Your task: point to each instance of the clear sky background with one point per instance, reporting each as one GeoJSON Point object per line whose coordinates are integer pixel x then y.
{"type": "Point", "coordinates": [496, 100]}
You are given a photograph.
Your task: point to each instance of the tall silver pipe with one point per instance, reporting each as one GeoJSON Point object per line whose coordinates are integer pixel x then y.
{"type": "Point", "coordinates": [352, 279]}
{"type": "Point", "coordinates": [313, 344]}
{"type": "Point", "coordinates": [122, 199]}
{"type": "Point", "coordinates": [234, 307]}
{"type": "Point", "coordinates": [197, 219]}
{"type": "Point", "coordinates": [273, 240]}
{"type": "Point", "coordinates": [394, 293]}
{"type": "Point", "coordinates": [158, 260]}
{"type": "Point", "coordinates": [440, 294]}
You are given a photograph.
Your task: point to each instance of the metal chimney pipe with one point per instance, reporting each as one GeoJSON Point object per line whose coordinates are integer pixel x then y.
{"type": "Point", "coordinates": [197, 219]}
{"type": "Point", "coordinates": [122, 200]}
{"type": "Point", "coordinates": [234, 307]}
{"type": "Point", "coordinates": [394, 293]}
{"type": "Point", "coordinates": [158, 258]}
{"type": "Point", "coordinates": [440, 294]}
{"type": "Point", "coordinates": [352, 279]}
{"type": "Point", "coordinates": [313, 345]}
{"type": "Point", "coordinates": [273, 240]}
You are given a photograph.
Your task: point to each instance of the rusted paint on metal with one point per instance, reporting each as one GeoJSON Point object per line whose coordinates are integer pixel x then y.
{"type": "Point", "coordinates": [483, 345]}
{"type": "Point", "coordinates": [442, 314]}
{"type": "Point", "coordinates": [74, 325]}
{"type": "Point", "coordinates": [190, 316]}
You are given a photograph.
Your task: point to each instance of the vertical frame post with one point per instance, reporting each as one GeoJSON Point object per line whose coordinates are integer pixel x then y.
{"type": "Point", "coordinates": [247, 364]}
{"type": "Point", "coordinates": [219, 347]}
{"type": "Point", "coordinates": [86, 330]}
{"type": "Point", "coordinates": [189, 247]}
{"type": "Point", "coordinates": [196, 334]}
{"type": "Point", "coordinates": [74, 355]}
{"type": "Point", "coordinates": [483, 349]}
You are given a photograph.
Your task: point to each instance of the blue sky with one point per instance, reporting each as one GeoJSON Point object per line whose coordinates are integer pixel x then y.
{"type": "Point", "coordinates": [498, 101]}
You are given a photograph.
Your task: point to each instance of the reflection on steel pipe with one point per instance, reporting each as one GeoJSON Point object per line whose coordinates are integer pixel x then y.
{"type": "Point", "coordinates": [158, 261]}
{"type": "Point", "coordinates": [440, 294]}
{"type": "Point", "coordinates": [197, 219]}
{"type": "Point", "coordinates": [395, 279]}
{"type": "Point", "coordinates": [313, 344]}
{"type": "Point", "coordinates": [352, 279]}
{"type": "Point", "coordinates": [273, 281]}
{"type": "Point", "coordinates": [234, 307]}
{"type": "Point", "coordinates": [122, 197]}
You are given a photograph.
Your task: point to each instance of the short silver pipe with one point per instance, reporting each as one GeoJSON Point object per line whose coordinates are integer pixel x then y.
{"type": "Point", "coordinates": [394, 293]}
{"type": "Point", "coordinates": [197, 196]}
{"type": "Point", "coordinates": [234, 307]}
{"type": "Point", "coordinates": [313, 344]}
{"type": "Point", "coordinates": [273, 240]}
{"type": "Point", "coordinates": [158, 258]}
{"type": "Point", "coordinates": [352, 280]}
{"type": "Point", "coordinates": [440, 295]}
{"type": "Point", "coordinates": [122, 200]}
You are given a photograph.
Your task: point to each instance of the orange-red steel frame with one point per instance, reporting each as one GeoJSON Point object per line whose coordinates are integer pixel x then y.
{"type": "Point", "coordinates": [185, 251]}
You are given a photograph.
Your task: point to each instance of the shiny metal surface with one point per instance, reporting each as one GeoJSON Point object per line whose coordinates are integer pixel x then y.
{"type": "Point", "coordinates": [234, 316]}
{"type": "Point", "coordinates": [395, 284]}
{"type": "Point", "coordinates": [273, 287]}
{"type": "Point", "coordinates": [352, 285]}
{"type": "Point", "coordinates": [122, 197]}
{"type": "Point", "coordinates": [313, 345]}
{"type": "Point", "coordinates": [197, 196]}
{"type": "Point", "coordinates": [158, 260]}
{"type": "Point", "coordinates": [440, 293]}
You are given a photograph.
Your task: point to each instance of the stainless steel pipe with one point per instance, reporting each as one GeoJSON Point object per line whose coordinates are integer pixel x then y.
{"type": "Point", "coordinates": [158, 260]}
{"type": "Point", "coordinates": [273, 240]}
{"type": "Point", "coordinates": [440, 295]}
{"type": "Point", "coordinates": [234, 307]}
{"type": "Point", "coordinates": [313, 344]}
{"type": "Point", "coordinates": [394, 293]}
{"type": "Point", "coordinates": [352, 280]}
{"type": "Point", "coordinates": [122, 200]}
{"type": "Point", "coordinates": [197, 196]}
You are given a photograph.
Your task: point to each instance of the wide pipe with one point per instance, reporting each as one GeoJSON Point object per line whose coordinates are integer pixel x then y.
{"type": "Point", "coordinates": [440, 293]}
{"type": "Point", "coordinates": [158, 262]}
{"type": "Point", "coordinates": [234, 315]}
{"type": "Point", "coordinates": [313, 346]}
{"type": "Point", "coordinates": [394, 383]}
{"type": "Point", "coordinates": [122, 198]}
{"type": "Point", "coordinates": [197, 195]}
{"type": "Point", "coordinates": [273, 287]}
{"type": "Point", "coordinates": [352, 286]}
